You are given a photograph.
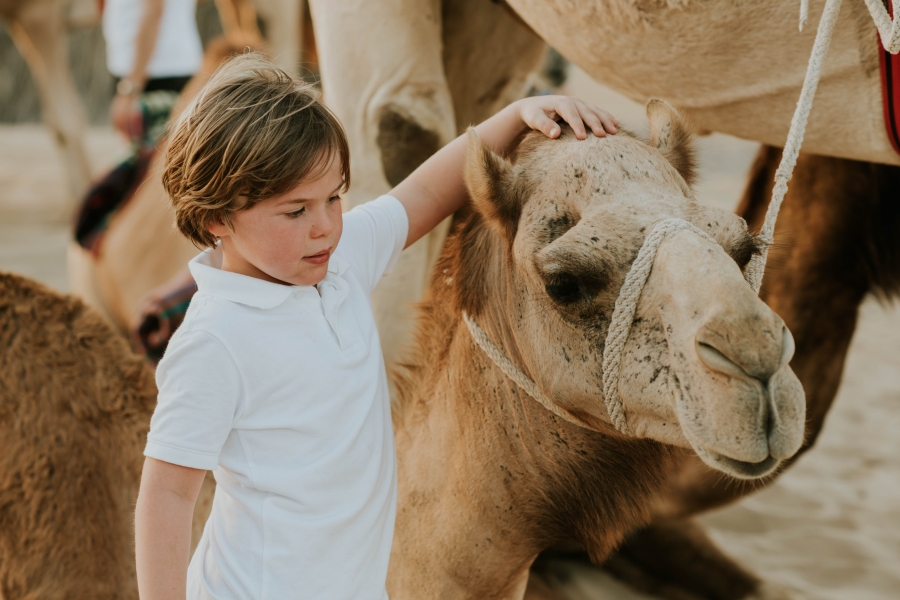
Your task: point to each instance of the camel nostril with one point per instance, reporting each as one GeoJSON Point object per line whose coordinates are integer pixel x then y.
{"type": "Point", "coordinates": [715, 360]}
{"type": "Point", "coordinates": [748, 352]}
{"type": "Point", "coordinates": [787, 347]}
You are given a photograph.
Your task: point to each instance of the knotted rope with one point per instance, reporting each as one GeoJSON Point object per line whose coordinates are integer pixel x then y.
{"type": "Point", "coordinates": [629, 295]}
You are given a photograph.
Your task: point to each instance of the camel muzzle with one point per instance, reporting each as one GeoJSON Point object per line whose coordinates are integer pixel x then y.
{"type": "Point", "coordinates": [740, 406]}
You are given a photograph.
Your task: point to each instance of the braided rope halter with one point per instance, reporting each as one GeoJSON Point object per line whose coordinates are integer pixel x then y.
{"type": "Point", "coordinates": [639, 273]}
{"type": "Point", "coordinates": [616, 336]}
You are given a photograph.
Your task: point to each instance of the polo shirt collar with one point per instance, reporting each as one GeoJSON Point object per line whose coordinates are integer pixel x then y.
{"type": "Point", "coordinates": [258, 293]}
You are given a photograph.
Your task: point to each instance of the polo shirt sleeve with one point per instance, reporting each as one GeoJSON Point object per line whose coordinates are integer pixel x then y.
{"type": "Point", "coordinates": [200, 390]}
{"type": "Point", "coordinates": [374, 235]}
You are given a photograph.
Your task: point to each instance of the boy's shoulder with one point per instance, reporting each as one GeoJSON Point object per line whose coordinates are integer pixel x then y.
{"type": "Point", "coordinates": [374, 235]}
{"type": "Point", "coordinates": [384, 209]}
{"type": "Point", "coordinates": [215, 335]}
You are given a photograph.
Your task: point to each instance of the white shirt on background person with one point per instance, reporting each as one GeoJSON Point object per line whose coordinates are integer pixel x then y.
{"type": "Point", "coordinates": [178, 51]}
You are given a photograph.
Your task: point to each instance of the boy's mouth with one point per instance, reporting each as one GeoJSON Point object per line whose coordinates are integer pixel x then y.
{"type": "Point", "coordinates": [318, 258]}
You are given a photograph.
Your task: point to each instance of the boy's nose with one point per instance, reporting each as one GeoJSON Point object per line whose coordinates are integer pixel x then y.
{"type": "Point", "coordinates": [324, 224]}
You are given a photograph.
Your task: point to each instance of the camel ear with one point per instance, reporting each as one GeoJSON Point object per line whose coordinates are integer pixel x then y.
{"type": "Point", "coordinates": [491, 184]}
{"type": "Point", "coordinates": [672, 135]}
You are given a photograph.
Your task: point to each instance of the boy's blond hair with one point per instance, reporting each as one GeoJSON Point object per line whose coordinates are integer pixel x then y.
{"type": "Point", "coordinates": [252, 133]}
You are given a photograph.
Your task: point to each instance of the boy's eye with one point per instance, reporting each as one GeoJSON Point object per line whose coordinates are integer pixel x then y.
{"type": "Point", "coordinates": [301, 210]}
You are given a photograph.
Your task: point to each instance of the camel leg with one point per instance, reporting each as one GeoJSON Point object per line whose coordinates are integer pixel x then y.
{"type": "Point", "coordinates": [238, 19]}
{"type": "Point", "coordinates": [38, 30]}
{"type": "Point", "coordinates": [683, 547]}
{"type": "Point", "coordinates": [835, 242]}
{"type": "Point", "coordinates": [82, 13]}
{"type": "Point", "coordinates": [284, 31]}
{"type": "Point", "coordinates": [472, 30]}
{"type": "Point", "coordinates": [309, 55]}
{"type": "Point", "coordinates": [389, 90]}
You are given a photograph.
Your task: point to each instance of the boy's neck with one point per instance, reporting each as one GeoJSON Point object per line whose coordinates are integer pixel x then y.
{"type": "Point", "coordinates": [232, 262]}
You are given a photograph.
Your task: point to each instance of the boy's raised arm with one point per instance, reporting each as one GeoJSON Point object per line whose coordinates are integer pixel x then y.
{"type": "Point", "coordinates": [162, 528]}
{"type": "Point", "coordinates": [436, 189]}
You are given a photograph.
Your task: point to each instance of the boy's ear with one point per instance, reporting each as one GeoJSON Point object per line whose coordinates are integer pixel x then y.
{"type": "Point", "coordinates": [490, 180]}
{"type": "Point", "coordinates": [217, 226]}
{"type": "Point", "coordinates": [673, 136]}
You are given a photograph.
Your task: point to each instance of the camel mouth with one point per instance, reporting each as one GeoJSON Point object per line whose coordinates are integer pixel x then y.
{"type": "Point", "coordinates": [738, 468]}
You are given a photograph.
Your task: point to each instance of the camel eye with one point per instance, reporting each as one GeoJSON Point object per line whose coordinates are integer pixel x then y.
{"type": "Point", "coordinates": [565, 289]}
{"type": "Point", "coordinates": [744, 249]}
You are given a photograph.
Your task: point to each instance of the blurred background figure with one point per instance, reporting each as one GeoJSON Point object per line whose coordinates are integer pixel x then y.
{"type": "Point", "coordinates": [153, 48]}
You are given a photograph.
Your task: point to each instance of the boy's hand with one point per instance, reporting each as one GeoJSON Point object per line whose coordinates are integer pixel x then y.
{"type": "Point", "coordinates": [436, 189]}
{"type": "Point", "coordinates": [541, 113]}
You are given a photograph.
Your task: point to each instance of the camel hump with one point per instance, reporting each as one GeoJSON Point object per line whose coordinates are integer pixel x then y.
{"type": "Point", "coordinates": [672, 135]}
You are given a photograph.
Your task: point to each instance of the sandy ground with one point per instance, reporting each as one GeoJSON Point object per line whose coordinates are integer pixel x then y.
{"type": "Point", "coordinates": [830, 527]}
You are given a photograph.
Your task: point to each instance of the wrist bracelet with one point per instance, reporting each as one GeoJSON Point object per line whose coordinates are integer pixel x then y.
{"type": "Point", "coordinates": [127, 87]}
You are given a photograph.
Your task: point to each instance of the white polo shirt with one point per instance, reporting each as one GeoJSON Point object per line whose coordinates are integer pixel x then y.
{"type": "Point", "coordinates": [282, 391]}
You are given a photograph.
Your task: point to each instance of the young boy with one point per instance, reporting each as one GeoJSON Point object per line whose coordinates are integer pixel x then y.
{"type": "Point", "coordinates": [275, 380]}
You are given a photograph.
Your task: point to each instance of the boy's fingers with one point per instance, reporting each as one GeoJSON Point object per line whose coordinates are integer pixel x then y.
{"type": "Point", "coordinates": [597, 115]}
{"type": "Point", "coordinates": [579, 115]}
{"type": "Point", "coordinates": [593, 121]}
{"type": "Point", "coordinates": [569, 112]}
{"type": "Point", "coordinates": [545, 124]}
{"type": "Point", "coordinates": [609, 122]}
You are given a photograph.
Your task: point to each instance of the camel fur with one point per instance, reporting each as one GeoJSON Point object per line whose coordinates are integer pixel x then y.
{"type": "Point", "coordinates": [488, 478]}
{"type": "Point", "coordinates": [75, 407]}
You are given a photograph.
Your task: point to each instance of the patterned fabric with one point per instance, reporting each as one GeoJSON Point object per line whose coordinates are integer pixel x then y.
{"type": "Point", "coordinates": [160, 317]}
{"type": "Point", "coordinates": [118, 186]}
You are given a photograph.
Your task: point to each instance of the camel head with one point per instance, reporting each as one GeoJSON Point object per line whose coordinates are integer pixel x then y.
{"type": "Point", "coordinates": [555, 231]}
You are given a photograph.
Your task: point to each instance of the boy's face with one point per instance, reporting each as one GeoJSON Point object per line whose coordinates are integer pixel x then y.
{"type": "Point", "coordinates": [287, 239]}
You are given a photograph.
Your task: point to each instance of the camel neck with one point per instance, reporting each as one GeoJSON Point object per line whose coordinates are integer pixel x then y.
{"type": "Point", "coordinates": [521, 478]}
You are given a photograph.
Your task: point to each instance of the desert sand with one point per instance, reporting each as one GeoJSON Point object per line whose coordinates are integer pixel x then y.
{"type": "Point", "coordinates": [829, 527]}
